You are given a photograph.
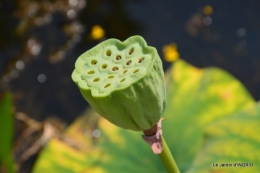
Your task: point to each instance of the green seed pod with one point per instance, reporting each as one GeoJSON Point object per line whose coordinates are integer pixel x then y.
{"type": "Point", "coordinates": [123, 82]}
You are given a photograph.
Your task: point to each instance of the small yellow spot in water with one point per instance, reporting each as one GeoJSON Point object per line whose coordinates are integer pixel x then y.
{"type": "Point", "coordinates": [170, 52]}
{"type": "Point", "coordinates": [207, 10]}
{"type": "Point", "coordinates": [97, 32]}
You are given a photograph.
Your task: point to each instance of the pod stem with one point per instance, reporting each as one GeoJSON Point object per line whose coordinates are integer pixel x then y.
{"type": "Point", "coordinates": [167, 159]}
{"type": "Point", "coordinates": [154, 138]}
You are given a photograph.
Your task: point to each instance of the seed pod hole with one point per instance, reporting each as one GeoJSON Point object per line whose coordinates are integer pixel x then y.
{"type": "Point", "coordinates": [108, 53]}
{"type": "Point", "coordinates": [91, 72]}
{"type": "Point", "coordinates": [104, 66]}
{"type": "Point", "coordinates": [122, 80]}
{"type": "Point", "coordinates": [93, 62]}
{"type": "Point", "coordinates": [136, 71]}
{"type": "Point", "coordinates": [141, 60]}
{"type": "Point", "coordinates": [118, 57]}
{"type": "Point", "coordinates": [110, 77]}
{"type": "Point", "coordinates": [131, 51]}
{"type": "Point", "coordinates": [115, 68]}
{"type": "Point", "coordinates": [124, 71]}
{"type": "Point", "coordinates": [128, 62]}
{"type": "Point", "coordinates": [107, 85]}
{"type": "Point", "coordinates": [96, 80]}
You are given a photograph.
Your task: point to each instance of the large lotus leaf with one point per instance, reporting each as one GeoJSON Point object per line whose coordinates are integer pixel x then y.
{"type": "Point", "coordinates": [80, 154]}
{"type": "Point", "coordinates": [232, 145]}
{"type": "Point", "coordinates": [196, 98]}
{"type": "Point", "coordinates": [6, 131]}
{"type": "Point", "coordinates": [61, 157]}
{"type": "Point", "coordinates": [71, 153]}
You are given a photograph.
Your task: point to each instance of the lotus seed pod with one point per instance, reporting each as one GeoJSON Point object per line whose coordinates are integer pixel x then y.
{"type": "Point", "coordinates": [123, 82]}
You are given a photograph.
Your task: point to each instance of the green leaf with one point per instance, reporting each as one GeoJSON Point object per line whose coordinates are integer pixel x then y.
{"type": "Point", "coordinates": [71, 153]}
{"type": "Point", "coordinates": [58, 156]}
{"type": "Point", "coordinates": [232, 145]}
{"type": "Point", "coordinates": [6, 132]}
{"type": "Point", "coordinates": [196, 98]}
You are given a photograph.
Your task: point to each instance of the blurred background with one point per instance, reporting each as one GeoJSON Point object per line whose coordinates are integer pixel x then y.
{"type": "Point", "coordinates": [40, 41]}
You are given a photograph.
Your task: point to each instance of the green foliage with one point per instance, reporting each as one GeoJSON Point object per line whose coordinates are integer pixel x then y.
{"type": "Point", "coordinates": [6, 132]}
{"type": "Point", "coordinates": [198, 98]}
{"type": "Point", "coordinates": [203, 125]}
{"type": "Point", "coordinates": [234, 140]}
{"type": "Point", "coordinates": [73, 156]}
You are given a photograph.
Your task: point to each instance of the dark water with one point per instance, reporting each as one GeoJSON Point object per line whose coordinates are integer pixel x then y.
{"type": "Point", "coordinates": [46, 39]}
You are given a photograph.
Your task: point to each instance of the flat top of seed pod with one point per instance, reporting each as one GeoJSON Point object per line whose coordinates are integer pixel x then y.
{"type": "Point", "coordinates": [113, 65]}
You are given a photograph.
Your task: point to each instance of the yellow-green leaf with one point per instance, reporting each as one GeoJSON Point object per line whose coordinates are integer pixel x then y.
{"type": "Point", "coordinates": [232, 145]}
{"type": "Point", "coordinates": [73, 152]}
{"type": "Point", "coordinates": [196, 99]}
